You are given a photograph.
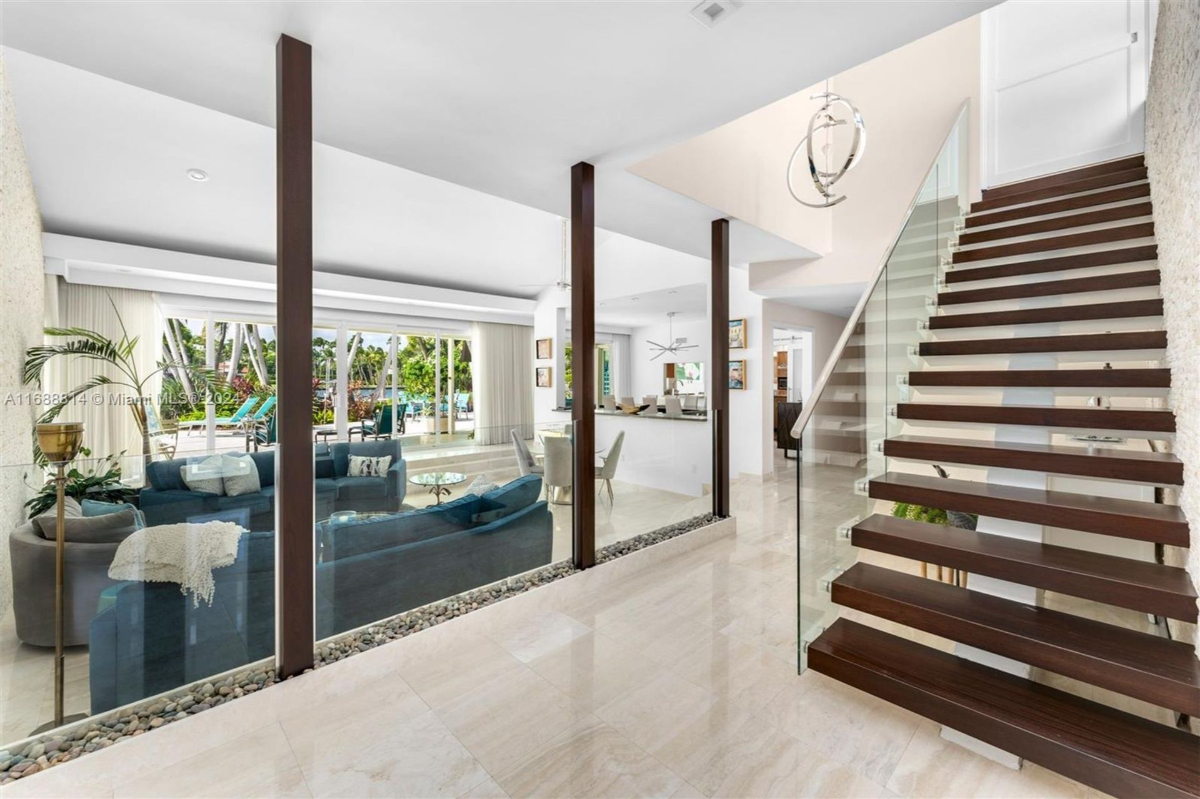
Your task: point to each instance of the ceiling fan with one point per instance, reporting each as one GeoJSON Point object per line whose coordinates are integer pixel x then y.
{"type": "Point", "coordinates": [676, 346]}
{"type": "Point", "coordinates": [563, 283]}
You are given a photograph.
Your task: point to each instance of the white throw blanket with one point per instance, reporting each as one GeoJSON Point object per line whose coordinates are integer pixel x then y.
{"type": "Point", "coordinates": [178, 553]}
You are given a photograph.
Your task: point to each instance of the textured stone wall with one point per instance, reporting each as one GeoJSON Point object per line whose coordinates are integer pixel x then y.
{"type": "Point", "coordinates": [21, 290]}
{"type": "Point", "coordinates": [1173, 158]}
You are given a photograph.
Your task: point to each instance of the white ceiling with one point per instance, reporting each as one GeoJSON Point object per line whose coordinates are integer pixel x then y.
{"type": "Point", "coordinates": [688, 302]}
{"type": "Point", "coordinates": [501, 97]}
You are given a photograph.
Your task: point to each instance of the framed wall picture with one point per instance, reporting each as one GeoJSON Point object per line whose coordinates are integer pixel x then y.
{"type": "Point", "coordinates": [543, 376]}
{"type": "Point", "coordinates": [737, 334]}
{"type": "Point", "coordinates": [737, 375]}
{"type": "Point", "coordinates": [545, 349]}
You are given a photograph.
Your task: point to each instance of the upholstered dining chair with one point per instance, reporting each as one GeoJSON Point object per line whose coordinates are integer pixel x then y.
{"type": "Point", "coordinates": [610, 403]}
{"type": "Point", "coordinates": [627, 402]}
{"type": "Point", "coordinates": [557, 469]}
{"type": "Point", "coordinates": [525, 462]}
{"type": "Point", "coordinates": [674, 406]}
{"type": "Point", "coordinates": [608, 469]}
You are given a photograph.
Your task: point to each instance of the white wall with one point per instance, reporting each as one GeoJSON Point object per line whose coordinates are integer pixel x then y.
{"type": "Point", "coordinates": [908, 98]}
{"type": "Point", "coordinates": [1064, 84]}
{"type": "Point", "coordinates": [20, 321]}
{"type": "Point", "coordinates": [752, 448]}
{"type": "Point", "coordinates": [647, 375]}
{"type": "Point", "coordinates": [550, 321]}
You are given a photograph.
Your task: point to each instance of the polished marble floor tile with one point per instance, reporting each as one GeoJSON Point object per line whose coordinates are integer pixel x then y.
{"type": "Point", "coordinates": [381, 755]}
{"type": "Point", "coordinates": [590, 759]}
{"type": "Point", "coordinates": [652, 714]}
{"type": "Point", "coordinates": [594, 669]}
{"type": "Point", "coordinates": [844, 724]}
{"type": "Point", "coordinates": [933, 766]}
{"type": "Point", "coordinates": [509, 716]}
{"type": "Point", "coordinates": [260, 764]}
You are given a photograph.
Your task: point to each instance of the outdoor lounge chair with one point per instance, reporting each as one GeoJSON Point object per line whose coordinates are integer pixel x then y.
{"type": "Point", "coordinates": [238, 415]}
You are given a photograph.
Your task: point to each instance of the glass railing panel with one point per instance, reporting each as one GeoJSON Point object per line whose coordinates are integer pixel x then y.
{"type": "Point", "coordinates": [853, 408]}
{"type": "Point", "coordinates": [397, 531]}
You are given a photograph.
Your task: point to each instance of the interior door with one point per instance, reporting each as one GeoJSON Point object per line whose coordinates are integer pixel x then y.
{"type": "Point", "coordinates": [1064, 84]}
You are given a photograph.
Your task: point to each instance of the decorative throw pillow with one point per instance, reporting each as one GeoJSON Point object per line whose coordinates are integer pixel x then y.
{"type": "Point", "coordinates": [240, 475]}
{"type": "Point", "coordinates": [94, 507]}
{"type": "Point", "coordinates": [206, 475]}
{"type": "Point", "coordinates": [111, 528]}
{"type": "Point", "coordinates": [480, 486]}
{"type": "Point", "coordinates": [488, 511]}
{"type": "Point", "coordinates": [369, 467]}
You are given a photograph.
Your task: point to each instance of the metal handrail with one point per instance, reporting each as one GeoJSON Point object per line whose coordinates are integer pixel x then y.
{"type": "Point", "coordinates": [810, 405]}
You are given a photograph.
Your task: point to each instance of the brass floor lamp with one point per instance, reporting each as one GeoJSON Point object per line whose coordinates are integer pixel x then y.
{"type": "Point", "coordinates": [60, 443]}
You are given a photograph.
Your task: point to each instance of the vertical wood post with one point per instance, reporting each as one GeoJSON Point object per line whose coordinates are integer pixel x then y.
{"type": "Point", "coordinates": [583, 350]}
{"type": "Point", "coordinates": [293, 358]}
{"type": "Point", "coordinates": [718, 403]}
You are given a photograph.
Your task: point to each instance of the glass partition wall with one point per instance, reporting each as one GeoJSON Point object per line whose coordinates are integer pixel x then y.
{"type": "Point", "coordinates": [166, 542]}
{"type": "Point", "coordinates": [842, 429]}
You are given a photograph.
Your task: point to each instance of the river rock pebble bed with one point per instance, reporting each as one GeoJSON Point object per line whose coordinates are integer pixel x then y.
{"type": "Point", "coordinates": [66, 744]}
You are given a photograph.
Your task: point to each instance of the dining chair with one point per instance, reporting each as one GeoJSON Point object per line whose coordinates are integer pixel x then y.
{"type": "Point", "coordinates": [610, 403]}
{"type": "Point", "coordinates": [525, 462]}
{"type": "Point", "coordinates": [627, 402]}
{"type": "Point", "coordinates": [674, 406]}
{"type": "Point", "coordinates": [557, 469]}
{"type": "Point", "coordinates": [608, 469]}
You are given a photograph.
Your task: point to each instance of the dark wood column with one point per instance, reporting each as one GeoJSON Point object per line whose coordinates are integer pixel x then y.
{"type": "Point", "coordinates": [718, 403]}
{"type": "Point", "coordinates": [293, 357]}
{"type": "Point", "coordinates": [583, 352]}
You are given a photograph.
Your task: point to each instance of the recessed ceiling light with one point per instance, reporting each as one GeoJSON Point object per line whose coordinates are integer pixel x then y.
{"type": "Point", "coordinates": [601, 304]}
{"type": "Point", "coordinates": [672, 291]}
{"type": "Point", "coordinates": [710, 12]}
{"type": "Point", "coordinates": [198, 175]}
{"type": "Point", "coordinates": [635, 299]}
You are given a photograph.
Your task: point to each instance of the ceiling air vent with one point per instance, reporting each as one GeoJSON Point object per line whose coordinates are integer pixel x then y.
{"type": "Point", "coordinates": [710, 12]}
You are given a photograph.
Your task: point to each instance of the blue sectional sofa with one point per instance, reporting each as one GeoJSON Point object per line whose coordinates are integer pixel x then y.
{"type": "Point", "coordinates": [148, 638]}
{"type": "Point", "coordinates": [168, 500]}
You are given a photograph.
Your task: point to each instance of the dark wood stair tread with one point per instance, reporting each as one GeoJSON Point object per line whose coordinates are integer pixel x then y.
{"type": "Point", "coordinates": [1149, 420]}
{"type": "Point", "coordinates": [1049, 288]}
{"type": "Point", "coordinates": [1033, 227]}
{"type": "Point", "coordinates": [1087, 342]}
{"type": "Point", "coordinates": [1102, 236]}
{"type": "Point", "coordinates": [1162, 468]}
{"type": "Point", "coordinates": [1119, 178]}
{"type": "Point", "coordinates": [1121, 518]}
{"type": "Point", "coordinates": [1137, 585]}
{"type": "Point", "coordinates": [1145, 666]}
{"type": "Point", "coordinates": [1044, 378]}
{"type": "Point", "coordinates": [1062, 313]}
{"type": "Point", "coordinates": [1065, 176]}
{"type": "Point", "coordinates": [1062, 263]}
{"type": "Point", "coordinates": [1060, 205]}
{"type": "Point", "coordinates": [1113, 751]}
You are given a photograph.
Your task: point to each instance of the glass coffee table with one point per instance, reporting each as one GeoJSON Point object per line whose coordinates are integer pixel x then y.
{"type": "Point", "coordinates": [438, 482]}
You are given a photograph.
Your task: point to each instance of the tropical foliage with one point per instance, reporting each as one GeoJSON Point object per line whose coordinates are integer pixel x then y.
{"type": "Point", "coordinates": [130, 382]}
{"type": "Point", "coordinates": [101, 482]}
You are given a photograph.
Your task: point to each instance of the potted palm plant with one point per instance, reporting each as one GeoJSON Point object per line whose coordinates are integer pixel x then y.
{"type": "Point", "coordinates": [90, 345]}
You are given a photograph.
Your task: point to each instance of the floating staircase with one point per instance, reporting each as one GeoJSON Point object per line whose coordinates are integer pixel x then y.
{"type": "Point", "coordinates": [1068, 252]}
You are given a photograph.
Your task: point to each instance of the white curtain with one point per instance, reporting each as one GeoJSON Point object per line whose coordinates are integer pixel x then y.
{"type": "Point", "coordinates": [502, 378]}
{"type": "Point", "coordinates": [109, 427]}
